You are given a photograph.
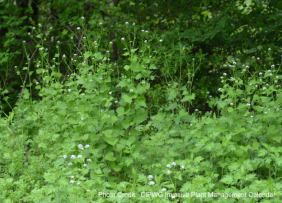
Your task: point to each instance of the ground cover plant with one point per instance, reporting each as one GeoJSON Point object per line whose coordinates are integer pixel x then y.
{"type": "Point", "coordinates": [87, 128]}
{"type": "Point", "coordinates": [94, 131]}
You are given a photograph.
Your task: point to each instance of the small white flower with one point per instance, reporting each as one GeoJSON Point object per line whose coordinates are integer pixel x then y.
{"type": "Point", "coordinates": [265, 112]}
{"type": "Point", "coordinates": [80, 146]}
{"type": "Point", "coordinates": [152, 183]}
{"type": "Point", "coordinates": [69, 90]}
{"type": "Point", "coordinates": [173, 164]}
{"type": "Point", "coordinates": [88, 190]}
{"type": "Point", "coordinates": [231, 104]}
{"type": "Point", "coordinates": [257, 58]}
{"type": "Point", "coordinates": [69, 164]}
{"type": "Point", "coordinates": [78, 28]}
{"type": "Point", "coordinates": [191, 124]}
{"type": "Point", "coordinates": [247, 66]}
{"type": "Point", "coordinates": [33, 28]}
{"type": "Point", "coordinates": [164, 189]}
{"type": "Point", "coordinates": [150, 177]}
{"type": "Point", "coordinates": [248, 104]}
{"type": "Point", "coordinates": [87, 146]}
{"type": "Point", "coordinates": [110, 92]}
{"type": "Point", "coordinates": [24, 41]}
{"type": "Point", "coordinates": [72, 181]}
{"type": "Point", "coordinates": [64, 156]}
{"type": "Point", "coordinates": [269, 49]}
{"type": "Point", "coordinates": [168, 172]}
{"type": "Point", "coordinates": [79, 156]}
{"type": "Point", "coordinates": [122, 38]}
{"type": "Point", "coordinates": [78, 183]}
{"type": "Point", "coordinates": [196, 110]}
{"type": "Point", "coordinates": [64, 56]}
{"type": "Point", "coordinates": [133, 23]}
{"type": "Point", "coordinates": [142, 30]}
{"type": "Point", "coordinates": [111, 42]}
{"type": "Point", "coordinates": [84, 165]}
{"type": "Point", "coordinates": [219, 89]}
{"type": "Point", "coordinates": [28, 33]}
{"type": "Point", "coordinates": [182, 167]}
{"type": "Point", "coordinates": [101, 78]}
{"type": "Point", "coordinates": [252, 116]}
{"type": "Point", "coordinates": [172, 196]}
{"type": "Point", "coordinates": [101, 23]}
{"type": "Point", "coordinates": [72, 177]}
{"type": "Point", "coordinates": [116, 101]}
{"type": "Point", "coordinates": [145, 41]}
{"type": "Point", "coordinates": [89, 160]}
{"type": "Point", "coordinates": [82, 17]}
{"type": "Point", "coordinates": [73, 157]}
{"type": "Point", "coordinates": [161, 40]}
{"type": "Point", "coordinates": [126, 23]}
{"type": "Point", "coordinates": [168, 166]}
{"type": "Point", "coordinates": [234, 62]}
{"type": "Point", "coordinates": [39, 25]}
{"type": "Point", "coordinates": [131, 90]}
{"type": "Point", "coordinates": [224, 74]}
{"type": "Point", "coordinates": [264, 88]}
{"type": "Point", "coordinates": [260, 73]}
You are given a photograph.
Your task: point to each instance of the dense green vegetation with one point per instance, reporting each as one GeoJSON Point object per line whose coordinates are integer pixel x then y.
{"type": "Point", "coordinates": [100, 98]}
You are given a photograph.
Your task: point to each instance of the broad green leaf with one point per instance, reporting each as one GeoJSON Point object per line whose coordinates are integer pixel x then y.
{"type": "Point", "coordinates": [110, 156]}
{"type": "Point", "coordinates": [127, 98]}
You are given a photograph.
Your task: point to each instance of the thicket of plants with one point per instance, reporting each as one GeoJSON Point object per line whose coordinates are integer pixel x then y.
{"type": "Point", "coordinates": [135, 109]}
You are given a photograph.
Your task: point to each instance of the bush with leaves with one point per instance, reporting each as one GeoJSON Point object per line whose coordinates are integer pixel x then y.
{"type": "Point", "coordinates": [108, 128]}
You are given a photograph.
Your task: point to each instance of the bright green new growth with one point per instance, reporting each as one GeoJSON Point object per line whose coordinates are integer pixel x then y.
{"type": "Point", "coordinates": [102, 128]}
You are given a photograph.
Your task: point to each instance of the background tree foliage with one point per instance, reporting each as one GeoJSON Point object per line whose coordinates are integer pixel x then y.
{"type": "Point", "coordinates": [218, 30]}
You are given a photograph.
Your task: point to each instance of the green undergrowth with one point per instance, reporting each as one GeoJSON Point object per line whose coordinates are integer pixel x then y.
{"type": "Point", "coordinates": [106, 128]}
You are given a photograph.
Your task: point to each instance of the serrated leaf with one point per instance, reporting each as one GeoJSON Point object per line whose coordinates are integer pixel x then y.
{"type": "Point", "coordinates": [227, 179]}
{"type": "Point", "coordinates": [112, 141]}
{"type": "Point", "coordinates": [127, 98]}
{"type": "Point", "coordinates": [126, 67]}
{"type": "Point", "coordinates": [110, 156]}
{"type": "Point", "coordinates": [188, 98]}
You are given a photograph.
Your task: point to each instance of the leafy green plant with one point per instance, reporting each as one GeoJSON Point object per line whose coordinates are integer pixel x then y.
{"type": "Point", "coordinates": [101, 127]}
